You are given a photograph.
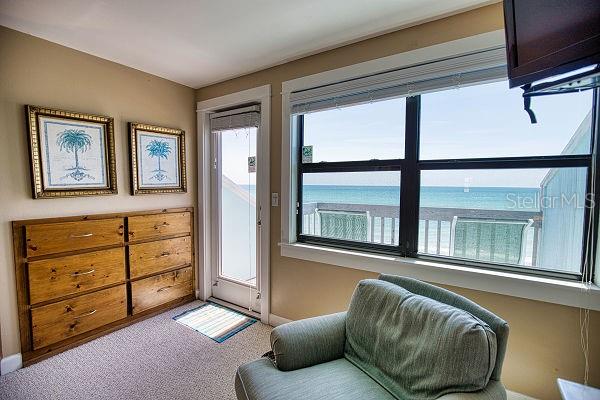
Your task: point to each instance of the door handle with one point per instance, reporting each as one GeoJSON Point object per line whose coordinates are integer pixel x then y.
{"type": "Point", "coordinates": [82, 235]}
{"type": "Point", "coordinates": [86, 314]}
{"type": "Point", "coordinates": [91, 271]}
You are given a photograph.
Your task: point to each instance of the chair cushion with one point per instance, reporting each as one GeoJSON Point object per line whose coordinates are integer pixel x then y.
{"type": "Point", "coordinates": [414, 346]}
{"type": "Point", "coordinates": [498, 325]}
{"type": "Point", "coordinates": [333, 380]}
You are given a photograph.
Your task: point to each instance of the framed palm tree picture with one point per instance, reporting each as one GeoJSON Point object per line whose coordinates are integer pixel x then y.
{"type": "Point", "coordinates": [71, 153]}
{"type": "Point", "coordinates": [157, 156]}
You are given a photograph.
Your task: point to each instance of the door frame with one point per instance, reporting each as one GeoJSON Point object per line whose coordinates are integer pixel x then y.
{"type": "Point", "coordinates": [262, 95]}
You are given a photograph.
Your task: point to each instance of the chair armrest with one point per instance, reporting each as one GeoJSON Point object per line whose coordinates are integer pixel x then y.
{"type": "Point", "coordinates": [493, 391]}
{"type": "Point", "coordinates": [307, 342]}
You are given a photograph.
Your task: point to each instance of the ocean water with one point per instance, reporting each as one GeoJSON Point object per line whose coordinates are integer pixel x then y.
{"type": "Point", "coordinates": [483, 198]}
{"type": "Point", "coordinates": [488, 198]}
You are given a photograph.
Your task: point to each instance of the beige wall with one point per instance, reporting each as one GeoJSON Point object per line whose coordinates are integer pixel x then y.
{"type": "Point", "coordinates": [544, 340]}
{"type": "Point", "coordinates": [35, 71]}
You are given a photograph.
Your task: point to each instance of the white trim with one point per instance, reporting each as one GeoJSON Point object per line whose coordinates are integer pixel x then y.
{"type": "Point", "coordinates": [574, 294]}
{"type": "Point", "coordinates": [204, 212]}
{"type": "Point", "coordinates": [233, 99]}
{"type": "Point", "coordinates": [276, 320]}
{"type": "Point", "coordinates": [480, 42]}
{"type": "Point", "coordinates": [11, 364]}
{"type": "Point", "coordinates": [510, 395]}
{"type": "Point", "coordinates": [261, 94]}
{"type": "Point", "coordinates": [463, 69]}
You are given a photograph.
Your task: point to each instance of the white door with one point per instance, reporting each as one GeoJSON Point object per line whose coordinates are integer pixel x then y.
{"type": "Point", "coordinates": [236, 217]}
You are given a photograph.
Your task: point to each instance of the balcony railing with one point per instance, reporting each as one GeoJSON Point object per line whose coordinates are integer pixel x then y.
{"type": "Point", "coordinates": [435, 225]}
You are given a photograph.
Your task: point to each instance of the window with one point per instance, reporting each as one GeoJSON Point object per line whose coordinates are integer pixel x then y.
{"type": "Point", "coordinates": [488, 120]}
{"type": "Point", "coordinates": [455, 172]}
{"type": "Point", "coordinates": [356, 206]}
{"type": "Point", "coordinates": [350, 176]}
{"type": "Point", "coordinates": [357, 125]}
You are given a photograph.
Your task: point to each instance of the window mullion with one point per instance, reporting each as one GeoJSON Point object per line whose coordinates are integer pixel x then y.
{"type": "Point", "coordinates": [409, 190]}
{"type": "Point", "coordinates": [298, 205]}
{"type": "Point", "coordinates": [354, 166]}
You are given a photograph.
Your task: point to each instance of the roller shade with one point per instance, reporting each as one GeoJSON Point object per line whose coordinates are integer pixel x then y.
{"type": "Point", "coordinates": [235, 119]}
{"type": "Point", "coordinates": [464, 70]}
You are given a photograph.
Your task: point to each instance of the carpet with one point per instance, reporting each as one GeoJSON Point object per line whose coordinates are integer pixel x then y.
{"type": "Point", "coordinates": [157, 358]}
{"type": "Point", "coordinates": [217, 322]}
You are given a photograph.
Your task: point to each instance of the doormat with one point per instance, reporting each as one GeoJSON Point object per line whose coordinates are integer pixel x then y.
{"type": "Point", "coordinates": [215, 321]}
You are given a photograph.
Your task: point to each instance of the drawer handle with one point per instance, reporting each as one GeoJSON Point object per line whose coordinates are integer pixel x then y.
{"type": "Point", "coordinates": [162, 289]}
{"type": "Point", "coordinates": [164, 254]}
{"type": "Point", "coordinates": [91, 271]}
{"type": "Point", "coordinates": [82, 235]}
{"type": "Point", "coordinates": [86, 314]}
{"type": "Point", "coordinates": [158, 226]}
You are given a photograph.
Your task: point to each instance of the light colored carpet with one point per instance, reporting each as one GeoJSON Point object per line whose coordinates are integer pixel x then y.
{"type": "Point", "coordinates": [154, 359]}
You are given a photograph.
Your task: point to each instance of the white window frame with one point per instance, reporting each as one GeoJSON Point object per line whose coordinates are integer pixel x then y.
{"type": "Point", "coordinates": [262, 95]}
{"type": "Point", "coordinates": [550, 290]}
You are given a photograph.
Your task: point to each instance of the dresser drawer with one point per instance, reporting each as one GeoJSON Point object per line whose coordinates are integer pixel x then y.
{"type": "Point", "coordinates": [159, 225]}
{"type": "Point", "coordinates": [42, 239]}
{"type": "Point", "coordinates": [62, 320]}
{"type": "Point", "coordinates": [160, 289]}
{"type": "Point", "coordinates": [151, 257]}
{"type": "Point", "coordinates": [57, 277]}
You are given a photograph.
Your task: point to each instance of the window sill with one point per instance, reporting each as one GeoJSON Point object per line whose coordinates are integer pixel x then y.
{"type": "Point", "coordinates": [574, 294]}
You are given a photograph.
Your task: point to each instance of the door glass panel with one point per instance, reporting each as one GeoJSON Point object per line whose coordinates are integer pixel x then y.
{"type": "Point", "coordinates": [238, 205]}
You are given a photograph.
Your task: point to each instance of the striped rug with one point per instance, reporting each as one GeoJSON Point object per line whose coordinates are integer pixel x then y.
{"type": "Point", "coordinates": [216, 322]}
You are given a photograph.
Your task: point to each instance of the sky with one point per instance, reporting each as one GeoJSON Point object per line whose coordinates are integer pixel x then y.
{"type": "Point", "coordinates": [477, 121]}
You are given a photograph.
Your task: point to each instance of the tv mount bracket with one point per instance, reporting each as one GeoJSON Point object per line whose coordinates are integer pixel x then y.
{"type": "Point", "coordinates": [575, 83]}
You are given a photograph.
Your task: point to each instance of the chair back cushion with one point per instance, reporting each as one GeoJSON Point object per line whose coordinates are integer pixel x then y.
{"type": "Point", "coordinates": [498, 325]}
{"type": "Point", "coordinates": [414, 346]}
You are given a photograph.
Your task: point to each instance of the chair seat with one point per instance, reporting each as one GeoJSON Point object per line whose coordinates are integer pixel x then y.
{"type": "Point", "coordinates": [334, 380]}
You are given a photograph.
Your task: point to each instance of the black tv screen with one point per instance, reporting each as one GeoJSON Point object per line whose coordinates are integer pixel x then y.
{"type": "Point", "coordinates": [545, 38]}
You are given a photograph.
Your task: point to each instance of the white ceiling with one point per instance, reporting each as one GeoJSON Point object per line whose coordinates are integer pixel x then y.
{"type": "Point", "coordinates": [199, 42]}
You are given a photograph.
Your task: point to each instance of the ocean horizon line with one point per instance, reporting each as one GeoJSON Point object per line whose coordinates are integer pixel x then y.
{"type": "Point", "coordinates": [423, 186]}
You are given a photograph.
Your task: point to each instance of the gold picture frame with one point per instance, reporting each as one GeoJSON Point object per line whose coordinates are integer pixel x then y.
{"type": "Point", "coordinates": [149, 145]}
{"type": "Point", "coordinates": [59, 138]}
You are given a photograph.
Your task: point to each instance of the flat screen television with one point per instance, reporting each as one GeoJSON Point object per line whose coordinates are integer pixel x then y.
{"type": "Point", "coordinates": [545, 38]}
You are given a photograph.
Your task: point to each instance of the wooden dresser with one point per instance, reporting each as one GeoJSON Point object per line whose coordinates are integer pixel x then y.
{"type": "Point", "coordinates": [82, 277]}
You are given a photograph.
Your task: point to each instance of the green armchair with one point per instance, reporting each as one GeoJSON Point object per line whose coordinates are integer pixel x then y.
{"type": "Point", "coordinates": [400, 339]}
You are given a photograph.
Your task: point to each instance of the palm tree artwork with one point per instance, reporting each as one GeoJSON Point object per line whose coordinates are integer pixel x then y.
{"type": "Point", "coordinates": [75, 141]}
{"type": "Point", "coordinates": [158, 149]}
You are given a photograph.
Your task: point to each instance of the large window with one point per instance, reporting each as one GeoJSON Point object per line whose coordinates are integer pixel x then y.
{"type": "Point", "coordinates": [457, 173]}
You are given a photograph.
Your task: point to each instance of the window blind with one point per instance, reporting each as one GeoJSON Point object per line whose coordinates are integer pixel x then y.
{"type": "Point", "coordinates": [235, 119]}
{"type": "Point", "coordinates": [464, 70]}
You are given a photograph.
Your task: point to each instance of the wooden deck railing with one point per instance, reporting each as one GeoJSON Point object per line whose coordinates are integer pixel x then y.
{"type": "Point", "coordinates": [434, 224]}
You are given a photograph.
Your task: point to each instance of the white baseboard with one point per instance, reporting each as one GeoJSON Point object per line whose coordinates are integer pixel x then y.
{"type": "Point", "coordinates": [276, 320]}
{"type": "Point", "coordinates": [517, 396]}
{"type": "Point", "coordinates": [11, 364]}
